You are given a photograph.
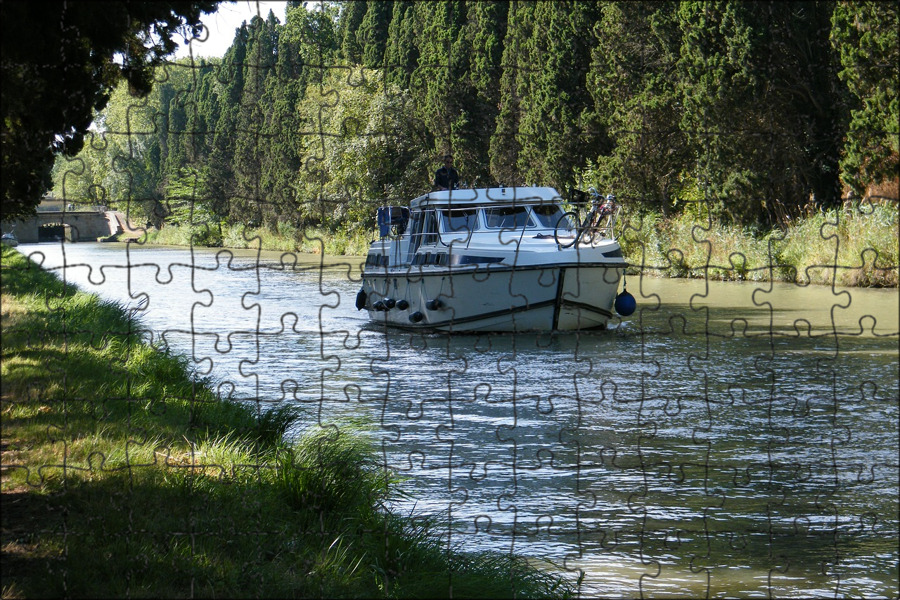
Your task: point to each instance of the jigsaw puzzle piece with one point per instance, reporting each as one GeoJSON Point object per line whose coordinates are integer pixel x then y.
{"type": "Point", "coordinates": [224, 322]}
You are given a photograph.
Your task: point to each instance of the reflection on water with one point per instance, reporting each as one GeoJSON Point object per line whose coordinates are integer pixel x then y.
{"type": "Point", "coordinates": [726, 440]}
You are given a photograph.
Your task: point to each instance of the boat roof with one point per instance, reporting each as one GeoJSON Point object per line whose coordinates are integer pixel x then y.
{"type": "Point", "coordinates": [486, 196]}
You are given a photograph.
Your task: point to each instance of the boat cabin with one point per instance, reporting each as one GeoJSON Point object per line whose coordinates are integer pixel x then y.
{"type": "Point", "coordinates": [494, 259]}
{"type": "Point", "coordinates": [497, 222]}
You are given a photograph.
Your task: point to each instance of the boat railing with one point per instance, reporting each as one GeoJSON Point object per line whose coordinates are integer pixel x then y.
{"type": "Point", "coordinates": [599, 223]}
{"type": "Point", "coordinates": [450, 239]}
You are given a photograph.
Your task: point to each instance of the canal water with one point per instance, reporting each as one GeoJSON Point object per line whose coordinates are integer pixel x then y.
{"type": "Point", "coordinates": [728, 439]}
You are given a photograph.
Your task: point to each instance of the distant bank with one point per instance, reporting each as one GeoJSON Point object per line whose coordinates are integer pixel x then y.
{"type": "Point", "coordinates": [853, 246]}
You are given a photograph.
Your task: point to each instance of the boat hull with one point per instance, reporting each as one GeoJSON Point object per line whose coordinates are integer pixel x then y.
{"type": "Point", "coordinates": [494, 298]}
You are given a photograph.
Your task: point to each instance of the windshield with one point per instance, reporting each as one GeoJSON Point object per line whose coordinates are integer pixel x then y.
{"type": "Point", "coordinates": [548, 215]}
{"type": "Point", "coordinates": [453, 221]}
{"type": "Point", "coordinates": [507, 217]}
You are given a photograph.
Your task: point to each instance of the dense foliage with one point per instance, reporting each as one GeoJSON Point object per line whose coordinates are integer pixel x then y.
{"type": "Point", "coordinates": [60, 62]}
{"type": "Point", "coordinates": [754, 109]}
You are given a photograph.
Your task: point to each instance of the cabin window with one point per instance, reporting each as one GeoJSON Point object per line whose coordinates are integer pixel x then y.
{"type": "Point", "coordinates": [377, 260]}
{"type": "Point", "coordinates": [429, 229]}
{"type": "Point", "coordinates": [453, 221]}
{"type": "Point", "coordinates": [507, 217]}
{"type": "Point", "coordinates": [548, 215]}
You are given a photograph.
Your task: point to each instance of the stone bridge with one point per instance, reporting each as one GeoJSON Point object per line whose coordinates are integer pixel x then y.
{"type": "Point", "coordinates": [49, 225]}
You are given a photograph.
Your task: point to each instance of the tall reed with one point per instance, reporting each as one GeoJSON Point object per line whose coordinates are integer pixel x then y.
{"type": "Point", "coordinates": [850, 246]}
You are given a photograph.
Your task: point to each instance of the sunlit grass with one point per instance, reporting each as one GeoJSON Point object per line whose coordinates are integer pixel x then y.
{"type": "Point", "coordinates": [850, 246]}
{"type": "Point", "coordinates": [856, 246]}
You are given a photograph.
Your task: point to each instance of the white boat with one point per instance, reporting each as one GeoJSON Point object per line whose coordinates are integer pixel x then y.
{"type": "Point", "coordinates": [506, 259]}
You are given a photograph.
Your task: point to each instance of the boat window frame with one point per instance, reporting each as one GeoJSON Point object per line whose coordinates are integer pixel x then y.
{"type": "Point", "coordinates": [560, 212]}
{"type": "Point", "coordinates": [529, 224]}
{"type": "Point", "coordinates": [445, 217]}
{"type": "Point", "coordinates": [430, 232]}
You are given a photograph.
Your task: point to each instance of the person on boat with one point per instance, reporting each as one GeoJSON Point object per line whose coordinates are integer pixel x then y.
{"type": "Point", "coordinates": [446, 178]}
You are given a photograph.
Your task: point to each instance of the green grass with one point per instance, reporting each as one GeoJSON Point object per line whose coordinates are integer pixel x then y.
{"type": "Point", "coordinates": [124, 475]}
{"type": "Point", "coordinates": [851, 246]}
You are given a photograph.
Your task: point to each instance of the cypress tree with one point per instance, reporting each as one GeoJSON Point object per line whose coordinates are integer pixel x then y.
{"type": "Point", "coordinates": [201, 125]}
{"type": "Point", "coordinates": [402, 52]}
{"type": "Point", "coordinates": [484, 35]}
{"type": "Point", "coordinates": [317, 43]}
{"type": "Point", "coordinates": [864, 35]}
{"type": "Point", "coordinates": [349, 19]}
{"type": "Point", "coordinates": [176, 122]}
{"type": "Point", "coordinates": [505, 145]}
{"type": "Point", "coordinates": [165, 94]}
{"type": "Point", "coordinates": [373, 33]}
{"type": "Point", "coordinates": [550, 131]}
{"type": "Point", "coordinates": [230, 80]}
{"type": "Point", "coordinates": [316, 39]}
{"type": "Point", "coordinates": [809, 101]}
{"type": "Point", "coordinates": [198, 138]}
{"type": "Point", "coordinates": [643, 153]}
{"type": "Point", "coordinates": [765, 64]}
{"type": "Point", "coordinates": [250, 117]}
{"type": "Point", "coordinates": [281, 164]}
{"type": "Point", "coordinates": [438, 83]}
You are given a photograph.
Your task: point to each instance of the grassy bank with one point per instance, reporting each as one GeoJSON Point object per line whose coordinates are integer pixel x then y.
{"type": "Point", "coordinates": [285, 238]}
{"type": "Point", "coordinates": [851, 246]}
{"type": "Point", "coordinates": [861, 240]}
{"type": "Point", "coordinates": [123, 475]}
